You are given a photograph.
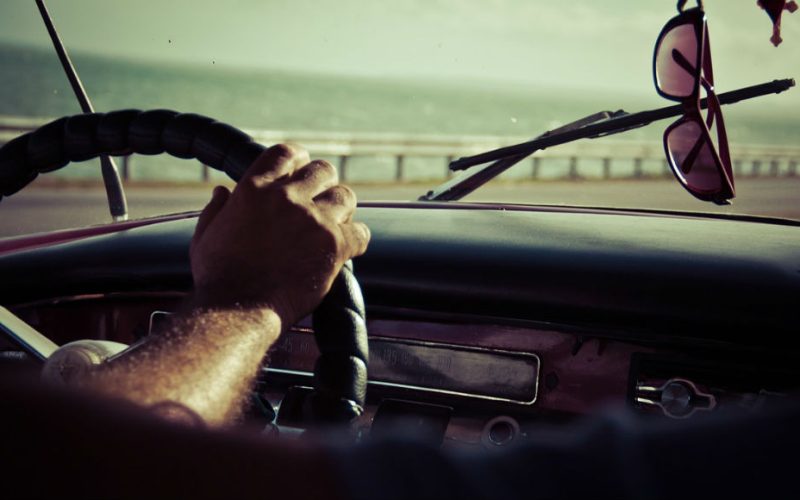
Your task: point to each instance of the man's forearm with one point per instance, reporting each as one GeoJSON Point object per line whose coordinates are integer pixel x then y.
{"type": "Point", "coordinates": [203, 364]}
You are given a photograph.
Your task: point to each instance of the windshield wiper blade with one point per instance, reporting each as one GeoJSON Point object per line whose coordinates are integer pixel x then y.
{"type": "Point", "coordinates": [619, 121]}
{"type": "Point", "coordinates": [622, 122]}
{"type": "Point", "coordinates": [457, 188]}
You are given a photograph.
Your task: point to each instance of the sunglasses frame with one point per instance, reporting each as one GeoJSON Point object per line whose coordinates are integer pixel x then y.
{"type": "Point", "coordinates": [692, 111]}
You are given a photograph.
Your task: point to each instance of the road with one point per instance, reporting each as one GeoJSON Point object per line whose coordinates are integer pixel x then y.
{"type": "Point", "coordinates": [40, 208]}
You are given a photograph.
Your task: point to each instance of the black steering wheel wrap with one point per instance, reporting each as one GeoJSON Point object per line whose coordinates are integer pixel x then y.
{"type": "Point", "coordinates": [120, 133]}
{"type": "Point", "coordinates": [340, 373]}
{"type": "Point", "coordinates": [340, 376]}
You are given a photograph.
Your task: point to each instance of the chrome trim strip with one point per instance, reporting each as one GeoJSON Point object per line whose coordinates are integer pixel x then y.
{"type": "Point", "coordinates": [435, 390]}
{"type": "Point", "coordinates": [24, 334]}
{"type": "Point", "coordinates": [153, 315]}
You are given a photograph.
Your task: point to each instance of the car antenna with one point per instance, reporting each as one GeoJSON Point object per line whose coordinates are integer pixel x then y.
{"type": "Point", "coordinates": [115, 194]}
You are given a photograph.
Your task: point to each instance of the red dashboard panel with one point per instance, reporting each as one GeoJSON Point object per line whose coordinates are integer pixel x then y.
{"type": "Point", "coordinates": [474, 378]}
{"type": "Point", "coordinates": [455, 361]}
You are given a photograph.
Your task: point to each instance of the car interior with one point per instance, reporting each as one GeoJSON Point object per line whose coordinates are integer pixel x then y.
{"type": "Point", "coordinates": [484, 321]}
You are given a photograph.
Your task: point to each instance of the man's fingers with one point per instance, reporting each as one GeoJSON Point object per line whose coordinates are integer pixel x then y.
{"type": "Point", "coordinates": [219, 196]}
{"type": "Point", "coordinates": [356, 235]}
{"type": "Point", "coordinates": [338, 202]}
{"type": "Point", "coordinates": [314, 178]}
{"type": "Point", "coordinates": [277, 161]}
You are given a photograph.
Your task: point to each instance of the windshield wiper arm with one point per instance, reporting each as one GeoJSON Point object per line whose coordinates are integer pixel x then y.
{"type": "Point", "coordinates": [592, 126]}
{"type": "Point", "coordinates": [457, 188]}
{"type": "Point", "coordinates": [612, 125]}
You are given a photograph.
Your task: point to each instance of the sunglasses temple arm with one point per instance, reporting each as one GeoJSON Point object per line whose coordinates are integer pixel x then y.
{"type": "Point", "coordinates": [614, 124]}
{"type": "Point", "coordinates": [688, 162]}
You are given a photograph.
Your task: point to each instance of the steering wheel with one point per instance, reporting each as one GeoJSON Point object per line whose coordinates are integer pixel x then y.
{"type": "Point", "coordinates": [340, 373]}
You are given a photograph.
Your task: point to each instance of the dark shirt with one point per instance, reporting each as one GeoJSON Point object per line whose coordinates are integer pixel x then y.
{"type": "Point", "coordinates": [613, 455]}
{"type": "Point", "coordinates": [79, 445]}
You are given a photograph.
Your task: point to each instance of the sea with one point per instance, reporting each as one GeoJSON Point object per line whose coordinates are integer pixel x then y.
{"type": "Point", "coordinates": [33, 84]}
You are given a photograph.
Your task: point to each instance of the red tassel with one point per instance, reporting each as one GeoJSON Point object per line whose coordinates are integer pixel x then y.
{"type": "Point", "coordinates": [776, 35]}
{"type": "Point", "coordinates": [774, 9]}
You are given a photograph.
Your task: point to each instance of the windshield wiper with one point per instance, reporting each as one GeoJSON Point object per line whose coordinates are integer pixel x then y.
{"type": "Point", "coordinates": [596, 125]}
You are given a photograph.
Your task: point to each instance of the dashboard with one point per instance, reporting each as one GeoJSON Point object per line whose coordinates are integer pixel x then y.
{"type": "Point", "coordinates": [485, 323]}
{"type": "Point", "coordinates": [459, 380]}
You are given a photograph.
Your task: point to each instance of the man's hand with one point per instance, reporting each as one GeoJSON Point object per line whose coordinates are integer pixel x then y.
{"type": "Point", "coordinates": [279, 239]}
{"type": "Point", "coordinates": [262, 258]}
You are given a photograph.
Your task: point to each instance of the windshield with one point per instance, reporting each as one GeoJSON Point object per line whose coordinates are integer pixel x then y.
{"type": "Point", "coordinates": [391, 92]}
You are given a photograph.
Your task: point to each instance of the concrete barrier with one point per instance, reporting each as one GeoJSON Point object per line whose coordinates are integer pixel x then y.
{"type": "Point", "coordinates": [606, 156]}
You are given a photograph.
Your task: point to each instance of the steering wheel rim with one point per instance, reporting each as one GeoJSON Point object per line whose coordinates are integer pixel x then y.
{"type": "Point", "coordinates": [340, 373]}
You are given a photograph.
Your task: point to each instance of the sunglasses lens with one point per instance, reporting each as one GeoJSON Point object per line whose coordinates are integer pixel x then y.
{"type": "Point", "coordinates": [677, 57]}
{"type": "Point", "coordinates": [692, 158]}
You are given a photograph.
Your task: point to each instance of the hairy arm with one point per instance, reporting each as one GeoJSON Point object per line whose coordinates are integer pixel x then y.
{"type": "Point", "coordinates": [200, 367]}
{"type": "Point", "coordinates": [262, 257]}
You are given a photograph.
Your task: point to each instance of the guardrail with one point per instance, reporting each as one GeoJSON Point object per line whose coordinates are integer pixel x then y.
{"type": "Point", "coordinates": [343, 147]}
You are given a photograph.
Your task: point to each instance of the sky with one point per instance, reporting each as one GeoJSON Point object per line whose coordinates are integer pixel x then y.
{"type": "Point", "coordinates": [580, 44]}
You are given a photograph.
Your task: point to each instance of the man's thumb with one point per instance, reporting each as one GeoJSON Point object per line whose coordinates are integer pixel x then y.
{"type": "Point", "coordinates": [218, 198]}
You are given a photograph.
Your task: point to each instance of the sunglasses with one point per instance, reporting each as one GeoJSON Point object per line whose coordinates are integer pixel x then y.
{"type": "Point", "coordinates": [696, 145]}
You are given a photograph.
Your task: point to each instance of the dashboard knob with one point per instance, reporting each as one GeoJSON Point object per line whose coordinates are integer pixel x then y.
{"type": "Point", "coordinates": [499, 431]}
{"type": "Point", "coordinates": [677, 397]}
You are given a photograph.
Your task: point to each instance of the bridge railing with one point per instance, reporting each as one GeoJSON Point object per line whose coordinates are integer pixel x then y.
{"type": "Point", "coordinates": [604, 155]}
